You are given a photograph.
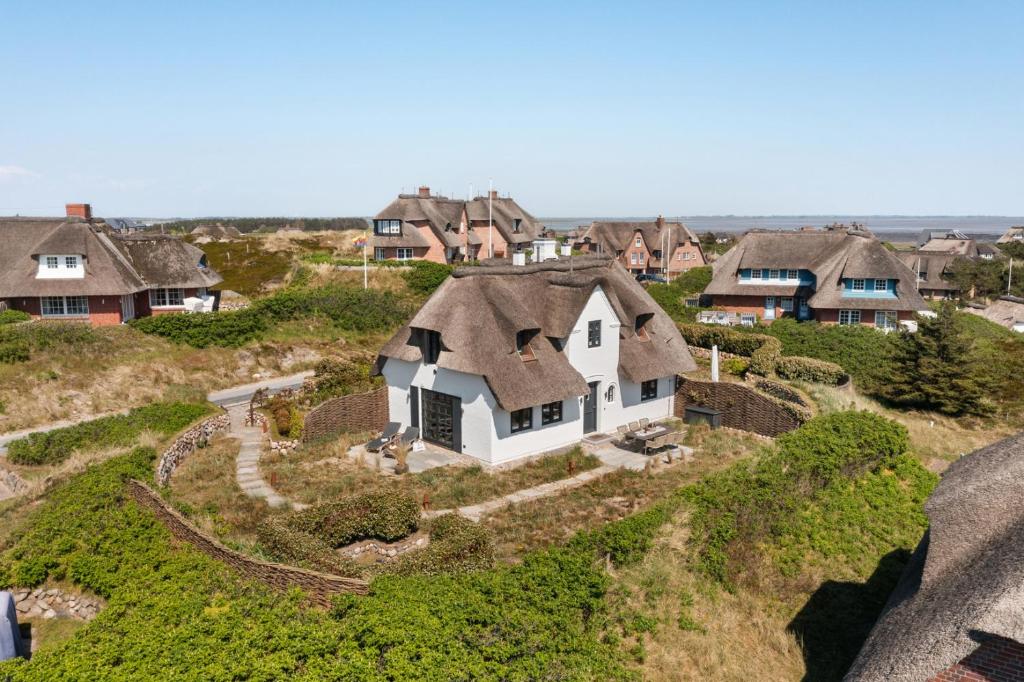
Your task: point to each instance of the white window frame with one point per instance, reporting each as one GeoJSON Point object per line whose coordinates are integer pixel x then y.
{"type": "Point", "coordinates": [155, 296]}
{"type": "Point", "coordinates": [52, 262]}
{"type": "Point", "coordinates": [773, 274]}
{"type": "Point", "coordinates": [748, 319]}
{"type": "Point", "coordinates": [404, 253]}
{"type": "Point", "coordinates": [792, 274]}
{"type": "Point", "coordinates": [755, 273]}
{"type": "Point", "coordinates": [852, 317]}
{"type": "Point", "coordinates": [380, 253]}
{"type": "Point", "coordinates": [889, 319]}
{"type": "Point", "coordinates": [857, 285]}
{"type": "Point", "coordinates": [884, 283]}
{"type": "Point", "coordinates": [633, 258]}
{"type": "Point", "coordinates": [71, 262]}
{"type": "Point", "coordinates": [48, 308]}
{"type": "Point", "coordinates": [639, 241]}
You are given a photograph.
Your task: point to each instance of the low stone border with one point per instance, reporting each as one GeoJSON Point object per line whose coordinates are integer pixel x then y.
{"type": "Point", "coordinates": [385, 550]}
{"type": "Point", "coordinates": [319, 587]}
{"type": "Point", "coordinates": [187, 443]}
{"type": "Point", "coordinates": [13, 482]}
{"type": "Point", "coordinates": [54, 603]}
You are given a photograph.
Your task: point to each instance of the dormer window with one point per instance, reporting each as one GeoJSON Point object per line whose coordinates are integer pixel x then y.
{"type": "Point", "coordinates": [523, 347]}
{"type": "Point", "coordinates": [431, 346]}
{"type": "Point", "coordinates": [640, 326]}
{"type": "Point", "coordinates": [516, 223]}
{"type": "Point", "coordinates": [385, 227]}
{"type": "Point", "coordinates": [61, 267]}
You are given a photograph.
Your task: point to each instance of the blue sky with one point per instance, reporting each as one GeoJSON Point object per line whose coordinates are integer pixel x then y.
{"type": "Point", "coordinates": [637, 108]}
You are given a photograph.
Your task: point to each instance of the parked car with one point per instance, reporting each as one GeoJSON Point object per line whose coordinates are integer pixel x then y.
{"type": "Point", "coordinates": [644, 277]}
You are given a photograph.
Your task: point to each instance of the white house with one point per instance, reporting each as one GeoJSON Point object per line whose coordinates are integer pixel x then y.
{"type": "Point", "coordinates": [508, 361]}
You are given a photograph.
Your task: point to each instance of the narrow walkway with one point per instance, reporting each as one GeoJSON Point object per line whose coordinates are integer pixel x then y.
{"type": "Point", "coordinates": [247, 465]}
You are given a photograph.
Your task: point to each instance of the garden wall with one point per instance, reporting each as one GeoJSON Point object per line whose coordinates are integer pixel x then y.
{"type": "Point", "coordinates": [742, 407]}
{"type": "Point", "coordinates": [186, 444]}
{"type": "Point", "coordinates": [319, 587]}
{"type": "Point", "coordinates": [358, 412]}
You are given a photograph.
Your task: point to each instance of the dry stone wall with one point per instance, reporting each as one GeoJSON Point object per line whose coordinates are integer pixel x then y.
{"type": "Point", "coordinates": [187, 443]}
{"type": "Point", "coordinates": [319, 587]}
{"type": "Point", "coordinates": [358, 412]}
{"type": "Point", "coordinates": [53, 603]}
{"type": "Point", "coordinates": [742, 407]}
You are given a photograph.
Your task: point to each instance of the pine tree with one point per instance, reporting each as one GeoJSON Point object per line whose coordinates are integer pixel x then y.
{"type": "Point", "coordinates": [932, 369]}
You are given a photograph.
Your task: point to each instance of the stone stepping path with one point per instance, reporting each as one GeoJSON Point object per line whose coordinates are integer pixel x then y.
{"type": "Point", "coordinates": [247, 464]}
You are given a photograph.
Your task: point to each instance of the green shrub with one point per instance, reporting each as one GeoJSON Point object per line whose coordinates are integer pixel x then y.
{"type": "Point", "coordinates": [302, 549]}
{"type": "Point", "coordinates": [751, 503]}
{"type": "Point", "coordinates": [424, 277]}
{"type": "Point", "coordinates": [10, 316]}
{"type": "Point", "coordinates": [334, 378]}
{"type": "Point", "coordinates": [51, 447]}
{"type": "Point", "coordinates": [227, 328]}
{"type": "Point", "coordinates": [13, 351]}
{"type": "Point", "coordinates": [626, 541]}
{"type": "Point", "coordinates": [456, 545]}
{"type": "Point", "coordinates": [809, 369]}
{"type": "Point", "coordinates": [384, 515]}
{"type": "Point", "coordinates": [727, 339]}
{"type": "Point", "coordinates": [764, 359]}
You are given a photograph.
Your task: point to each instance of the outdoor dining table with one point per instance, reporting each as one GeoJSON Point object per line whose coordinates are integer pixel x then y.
{"type": "Point", "coordinates": [648, 434]}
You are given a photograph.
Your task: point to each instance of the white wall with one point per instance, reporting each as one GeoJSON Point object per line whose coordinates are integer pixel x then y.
{"type": "Point", "coordinates": [486, 428]}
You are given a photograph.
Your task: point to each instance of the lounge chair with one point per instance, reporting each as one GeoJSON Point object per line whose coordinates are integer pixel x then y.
{"type": "Point", "coordinates": [385, 438]}
{"type": "Point", "coordinates": [408, 436]}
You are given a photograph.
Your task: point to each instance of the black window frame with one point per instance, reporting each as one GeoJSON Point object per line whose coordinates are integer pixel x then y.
{"type": "Point", "coordinates": [551, 413]}
{"type": "Point", "coordinates": [594, 334]}
{"type": "Point", "coordinates": [516, 422]}
{"type": "Point", "coordinates": [648, 390]}
{"type": "Point", "coordinates": [431, 346]}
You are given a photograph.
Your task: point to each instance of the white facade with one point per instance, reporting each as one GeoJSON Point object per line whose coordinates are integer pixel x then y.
{"type": "Point", "coordinates": [61, 266]}
{"type": "Point", "coordinates": [486, 427]}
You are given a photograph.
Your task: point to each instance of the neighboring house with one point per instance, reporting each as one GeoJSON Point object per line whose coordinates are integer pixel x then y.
{"type": "Point", "coordinates": [958, 611]}
{"type": "Point", "coordinates": [989, 251]}
{"type": "Point", "coordinates": [952, 241]}
{"type": "Point", "coordinates": [124, 225]}
{"type": "Point", "coordinates": [1012, 235]}
{"type": "Point", "coordinates": [832, 276]}
{"type": "Point", "coordinates": [78, 268]}
{"type": "Point", "coordinates": [505, 361]}
{"type": "Point", "coordinates": [650, 247]}
{"type": "Point", "coordinates": [931, 270]}
{"type": "Point", "coordinates": [1007, 311]}
{"type": "Point", "coordinates": [423, 226]}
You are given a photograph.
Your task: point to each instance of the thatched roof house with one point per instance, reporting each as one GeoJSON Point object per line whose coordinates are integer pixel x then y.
{"type": "Point", "coordinates": [77, 267]}
{"type": "Point", "coordinates": [1013, 234]}
{"type": "Point", "coordinates": [931, 269]}
{"type": "Point", "coordinates": [509, 340]}
{"type": "Point", "coordinates": [958, 610]}
{"type": "Point", "coordinates": [444, 230]}
{"type": "Point", "coordinates": [651, 247]}
{"type": "Point", "coordinates": [844, 276]}
{"type": "Point", "coordinates": [1007, 311]}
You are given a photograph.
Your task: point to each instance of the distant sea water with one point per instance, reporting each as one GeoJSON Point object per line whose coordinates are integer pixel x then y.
{"type": "Point", "coordinates": [888, 228]}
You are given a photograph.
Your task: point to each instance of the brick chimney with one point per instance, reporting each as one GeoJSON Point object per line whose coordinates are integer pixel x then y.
{"type": "Point", "coordinates": [660, 222]}
{"type": "Point", "coordinates": [494, 194]}
{"type": "Point", "coordinates": [83, 211]}
{"type": "Point", "coordinates": [424, 192]}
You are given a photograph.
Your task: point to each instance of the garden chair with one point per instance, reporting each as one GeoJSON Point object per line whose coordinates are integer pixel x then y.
{"type": "Point", "coordinates": [644, 422]}
{"type": "Point", "coordinates": [408, 436]}
{"type": "Point", "coordinates": [385, 438]}
{"type": "Point", "coordinates": [634, 426]}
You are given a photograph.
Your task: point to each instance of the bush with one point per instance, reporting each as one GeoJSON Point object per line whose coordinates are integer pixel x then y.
{"type": "Point", "coordinates": [227, 328]}
{"type": "Point", "coordinates": [11, 316]}
{"type": "Point", "coordinates": [736, 510]}
{"type": "Point", "coordinates": [626, 541]}
{"type": "Point", "coordinates": [424, 277]}
{"type": "Point", "coordinates": [764, 359]}
{"type": "Point", "coordinates": [809, 369]}
{"type": "Point", "coordinates": [51, 447]}
{"type": "Point", "coordinates": [334, 378]}
{"type": "Point", "coordinates": [384, 515]}
{"type": "Point", "coordinates": [456, 545]}
{"type": "Point", "coordinates": [13, 351]}
{"type": "Point", "coordinates": [728, 340]}
{"type": "Point", "coordinates": [302, 549]}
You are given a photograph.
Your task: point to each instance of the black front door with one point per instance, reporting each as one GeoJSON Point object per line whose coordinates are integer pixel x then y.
{"type": "Point", "coordinates": [442, 420]}
{"type": "Point", "coordinates": [590, 408]}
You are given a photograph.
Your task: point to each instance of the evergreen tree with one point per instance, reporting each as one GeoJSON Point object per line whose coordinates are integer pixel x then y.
{"type": "Point", "coordinates": [933, 369]}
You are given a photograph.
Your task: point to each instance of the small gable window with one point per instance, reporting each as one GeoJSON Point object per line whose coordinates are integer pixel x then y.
{"type": "Point", "coordinates": [551, 413]}
{"type": "Point", "coordinates": [611, 393]}
{"type": "Point", "coordinates": [881, 285]}
{"type": "Point", "coordinates": [857, 285]}
{"type": "Point", "coordinates": [51, 262]}
{"type": "Point", "coordinates": [649, 390]}
{"type": "Point", "coordinates": [593, 333]}
{"type": "Point", "coordinates": [639, 241]}
{"type": "Point", "coordinates": [522, 420]}
{"type": "Point", "coordinates": [387, 226]}
{"type": "Point", "coordinates": [517, 224]}
{"type": "Point", "coordinates": [431, 346]}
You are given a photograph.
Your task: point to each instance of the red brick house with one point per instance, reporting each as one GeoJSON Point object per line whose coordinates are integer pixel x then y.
{"type": "Point", "coordinates": [424, 226]}
{"type": "Point", "coordinates": [77, 268]}
{"type": "Point", "coordinates": [957, 613]}
{"type": "Point", "coordinates": [833, 276]}
{"type": "Point", "coordinates": [654, 247]}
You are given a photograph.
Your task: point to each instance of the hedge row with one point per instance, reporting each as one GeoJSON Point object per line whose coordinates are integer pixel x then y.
{"type": "Point", "coordinates": [765, 353]}
{"type": "Point", "coordinates": [11, 316]}
{"type": "Point", "coordinates": [346, 307]}
{"type": "Point", "coordinates": [385, 515]}
{"type": "Point", "coordinates": [50, 447]}
{"type": "Point", "coordinates": [19, 341]}
{"type": "Point", "coordinates": [456, 545]}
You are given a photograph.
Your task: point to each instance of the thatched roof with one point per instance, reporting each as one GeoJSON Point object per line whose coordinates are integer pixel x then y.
{"type": "Point", "coordinates": [114, 264]}
{"type": "Point", "coordinates": [965, 581]}
{"type": "Point", "coordinates": [958, 245]}
{"type": "Point", "coordinates": [1013, 234]}
{"type": "Point", "coordinates": [831, 255]}
{"type": "Point", "coordinates": [504, 212]}
{"type": "Point", "coordinates": [614, 236]}
{"type": "Point", "coordinates": [932, 266]}
{"type": "Point", "coordinates": [1008, 311]}
{"type": "Point", "coordinates": [479, 310]}
{"type": "Point", "coordinates": [442, 215]}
